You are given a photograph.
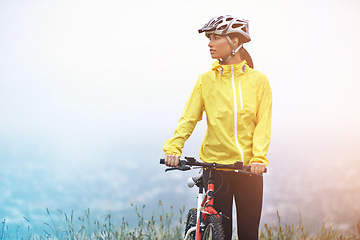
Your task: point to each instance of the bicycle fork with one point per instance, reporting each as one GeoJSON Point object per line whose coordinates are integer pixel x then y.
{"type": "Point", "coordinates": [203, 213]}
{"type": "Point", "coordinates": [196, 228]}
{"type": "Point", "coordinates": [201, 199]}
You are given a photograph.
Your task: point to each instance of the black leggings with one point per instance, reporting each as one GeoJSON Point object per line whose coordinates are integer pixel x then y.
{"type": "Point", "coordinates": [248, 193]}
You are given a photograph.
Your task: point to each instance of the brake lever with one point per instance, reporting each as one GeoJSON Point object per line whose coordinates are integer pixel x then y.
{"type": "Point", "coordinates": [185, 168]}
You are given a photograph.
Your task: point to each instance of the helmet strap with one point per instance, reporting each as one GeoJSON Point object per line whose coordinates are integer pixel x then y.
{"type": "Point", "coordinates": [233, 52]}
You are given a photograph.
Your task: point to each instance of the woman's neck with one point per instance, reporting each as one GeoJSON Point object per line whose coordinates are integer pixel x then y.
{"type": "Point", "coordinates": [233, 60]}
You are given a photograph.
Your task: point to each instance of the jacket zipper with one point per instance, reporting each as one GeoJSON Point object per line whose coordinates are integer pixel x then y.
{"type": "Point", "coordinates": [235, 111]}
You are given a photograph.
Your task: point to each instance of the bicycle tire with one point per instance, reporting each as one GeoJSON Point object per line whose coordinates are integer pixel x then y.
{"type": "Point", "coordinates": [213, 229]}
{"type": "Point", "coordinates": [191, 222]}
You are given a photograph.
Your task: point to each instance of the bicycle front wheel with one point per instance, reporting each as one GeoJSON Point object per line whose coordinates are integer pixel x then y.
{"type": "Point", "coordinates": [213, 229]}
{"type": "Point", "coordinates": [191, 222]}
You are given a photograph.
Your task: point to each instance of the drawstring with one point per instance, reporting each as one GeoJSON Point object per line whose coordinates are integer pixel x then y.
{"type": "Point", "coordinates": [244, 68]}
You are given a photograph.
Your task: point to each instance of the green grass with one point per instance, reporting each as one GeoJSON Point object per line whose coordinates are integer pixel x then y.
{"type": "Point", "coordinates": [161, 225]}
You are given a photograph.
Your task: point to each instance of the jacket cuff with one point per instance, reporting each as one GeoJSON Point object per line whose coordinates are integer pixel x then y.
{"type": "Point", "coordinates": [172, 151]}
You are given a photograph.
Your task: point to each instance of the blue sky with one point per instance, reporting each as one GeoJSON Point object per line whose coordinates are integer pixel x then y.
{"type": "Point", "coordinates": [89, 82]}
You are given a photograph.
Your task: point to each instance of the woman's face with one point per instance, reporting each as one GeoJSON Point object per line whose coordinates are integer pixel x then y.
{"type": "Point", "coordinates": [219, 46]}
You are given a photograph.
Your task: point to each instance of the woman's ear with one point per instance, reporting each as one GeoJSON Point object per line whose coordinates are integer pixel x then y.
{"type": "Point", "coordinates": [235, 41]}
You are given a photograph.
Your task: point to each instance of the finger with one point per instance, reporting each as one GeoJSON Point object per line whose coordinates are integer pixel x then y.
{"type": "Point", "coordinates": [253, 167]}
{"type": "Point", "coordinates": [260, 168]}
{"type": "Point", "coordinates": [166, 159]}
{"type": "Point", "coordinates": [257, 168]}
{"type": "Point", "coordinates": [173, 161]}
{"type": "Point", "coordinates": [170, 161]}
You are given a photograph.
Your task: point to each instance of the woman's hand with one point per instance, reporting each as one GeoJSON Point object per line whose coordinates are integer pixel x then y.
{"type": "Point", "coordinates": [171, 160]}
{"type": "Point", "coordinates": [257, 168]}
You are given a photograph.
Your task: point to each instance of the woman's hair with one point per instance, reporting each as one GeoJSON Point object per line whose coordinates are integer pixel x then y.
{"type": "Point", "coordinates": [244, 55]}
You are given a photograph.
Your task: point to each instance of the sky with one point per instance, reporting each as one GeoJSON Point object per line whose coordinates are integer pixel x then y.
{"type": "Point", "coordinates": [106, 73]}
{"type": "Point", "coordinates": [84, 83]}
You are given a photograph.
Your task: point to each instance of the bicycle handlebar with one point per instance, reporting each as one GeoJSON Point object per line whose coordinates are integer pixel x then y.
{"type": "Point", "coordinates": [185, 165]}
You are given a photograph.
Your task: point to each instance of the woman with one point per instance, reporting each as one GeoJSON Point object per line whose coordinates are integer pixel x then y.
{"type": "Point", "coordinates": [237, 101]}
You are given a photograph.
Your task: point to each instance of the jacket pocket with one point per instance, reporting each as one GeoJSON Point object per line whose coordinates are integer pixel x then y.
{"type": "Point", "coordinates": [247, 100]}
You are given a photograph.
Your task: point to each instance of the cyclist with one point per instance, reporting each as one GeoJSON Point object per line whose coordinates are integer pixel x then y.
{"type": "Point", "coordinates": [237, 101]}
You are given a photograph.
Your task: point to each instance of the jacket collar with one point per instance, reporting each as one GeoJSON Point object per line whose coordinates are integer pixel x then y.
{"type": "Point", "coordinates": [226, 69]}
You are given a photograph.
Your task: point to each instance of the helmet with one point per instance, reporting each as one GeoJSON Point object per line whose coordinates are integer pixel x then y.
{"type": "Point", "coordinates": [226, 24]}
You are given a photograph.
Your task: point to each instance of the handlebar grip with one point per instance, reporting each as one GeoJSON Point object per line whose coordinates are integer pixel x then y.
{"type": "Point", "coordinates": [181, 162]}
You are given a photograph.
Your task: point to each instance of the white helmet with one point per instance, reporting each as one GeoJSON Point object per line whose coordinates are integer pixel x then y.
{"type": "Point", "coordinates": [226, 24]}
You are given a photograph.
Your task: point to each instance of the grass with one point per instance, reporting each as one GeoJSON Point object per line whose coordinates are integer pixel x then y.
{"type": "Point", "coordinates": [161, 225]}
{"type": "Point", "coordinates": [292, 231]}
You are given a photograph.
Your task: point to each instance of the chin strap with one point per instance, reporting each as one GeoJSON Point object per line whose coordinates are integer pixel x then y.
{"type": "Point", "coordinates": [234, 51]}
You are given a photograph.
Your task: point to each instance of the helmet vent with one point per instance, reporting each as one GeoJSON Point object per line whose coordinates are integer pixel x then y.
{"type": "Point", "coordinates": [222, 27]}
{"type": "Point", "coordinates": [229, 19]}
{"type": "Point", "coordinates": [236, 25]}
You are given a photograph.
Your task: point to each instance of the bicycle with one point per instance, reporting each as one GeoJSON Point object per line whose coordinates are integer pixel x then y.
{"type": "Point", "coordinates": [204, 222]}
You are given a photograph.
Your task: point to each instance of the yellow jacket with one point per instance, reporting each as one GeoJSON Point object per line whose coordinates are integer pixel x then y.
{"type": "Point", "coordinates": [237, 101]}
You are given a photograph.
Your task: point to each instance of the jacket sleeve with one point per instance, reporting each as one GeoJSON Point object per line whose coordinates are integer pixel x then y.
{"type": "Point", "coordinates": [191, 115]}
{"type": "Point", "coordinates": [262, 132]}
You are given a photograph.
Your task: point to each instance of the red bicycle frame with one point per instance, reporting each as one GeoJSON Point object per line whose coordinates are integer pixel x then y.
{"type": "Point", "coordinates": [208, 209]}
